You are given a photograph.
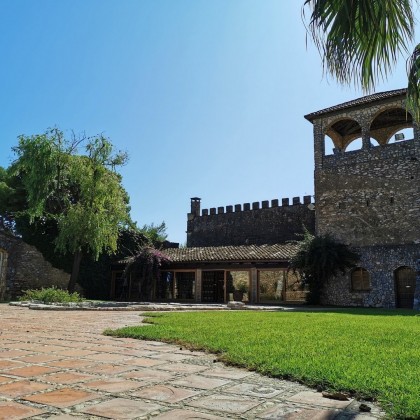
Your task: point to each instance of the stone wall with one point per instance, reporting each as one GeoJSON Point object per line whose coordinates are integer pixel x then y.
{"type": "Point", "coordinates": [381, 263]}
{"type": "Point", "coordinates": [372, 196]}
{"type": "Point", "coordinates": [369, 196]}
{"type": "Point", "coordinates": [370, 199]}
{"type": "Point", "coordinates": [26, 268]}
{"type": "Point", "coordinates": [256, 223]}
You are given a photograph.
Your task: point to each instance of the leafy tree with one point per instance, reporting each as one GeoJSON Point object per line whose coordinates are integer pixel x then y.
{"type": "Point", "coordinates": [360, 41]}
{"type": "Point", "coordinates": [155, 233]}
{"type": "Point", "coordinates": [319, 259]}
{"type": "Point", "coordinates": [81, 194]}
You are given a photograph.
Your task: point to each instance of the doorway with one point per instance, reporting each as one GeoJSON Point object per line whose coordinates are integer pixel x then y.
{"type": "Point", "coordinates": [405, 286]}
{"type": "Point", "coordinates": [213, 286]}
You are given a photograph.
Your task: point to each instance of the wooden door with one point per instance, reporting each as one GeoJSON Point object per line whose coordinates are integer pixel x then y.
{"type": "Point", "coordinates": [405, 285]}
{"type": "Point", "coordinates": [212, 286]}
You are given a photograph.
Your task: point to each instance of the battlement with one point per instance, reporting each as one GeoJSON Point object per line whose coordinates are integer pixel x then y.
{"type": "Point", "coordinates": [256, 205]}
{"type": "Point", "coordinates": [265, 222]}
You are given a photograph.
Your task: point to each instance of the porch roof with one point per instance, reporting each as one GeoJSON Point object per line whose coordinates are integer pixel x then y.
{"type": "Point", "coordinates": [391, 94]}
{"type": "Point", "coordinates": [276, 252]}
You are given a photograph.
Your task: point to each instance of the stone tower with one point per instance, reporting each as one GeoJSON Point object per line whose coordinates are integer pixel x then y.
{"type": "Point", "coordinates": [370, 198]}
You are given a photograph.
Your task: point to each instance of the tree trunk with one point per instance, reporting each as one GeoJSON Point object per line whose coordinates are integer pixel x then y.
{"type": "Point", "coordinates": [75, 271]}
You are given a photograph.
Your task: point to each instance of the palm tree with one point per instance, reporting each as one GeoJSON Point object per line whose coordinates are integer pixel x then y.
{"type": "Point", "coordinates": [360, 41]}
{"type": "Point", "coordinates": [318, 260]}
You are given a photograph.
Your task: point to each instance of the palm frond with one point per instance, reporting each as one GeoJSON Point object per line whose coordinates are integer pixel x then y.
{"type": "Point", "coordinates": [360, 40]}
{"type": "Point", "coordinates": [413, 89]}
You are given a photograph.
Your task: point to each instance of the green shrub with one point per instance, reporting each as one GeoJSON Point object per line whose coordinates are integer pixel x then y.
{"type": "Point", "coordinates": [51, 294]}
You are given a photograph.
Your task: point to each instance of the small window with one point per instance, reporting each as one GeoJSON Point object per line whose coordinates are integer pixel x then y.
{"type": "Point", "coordinates": [360, 279]}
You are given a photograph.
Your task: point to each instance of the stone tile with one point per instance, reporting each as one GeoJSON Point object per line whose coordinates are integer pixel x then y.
{"type": "Point", "coordinates": [225, 403]}
{"type": "Point", "coordinates": [165, 393]}
{"type": "Point", "coordinates": [29, 371]}
{"type": "Point", "coordinates": [309, 414]}
{"type": "Point", "coordinates": [148, 375]}
{"type": "Point", "coordinates": [71, 363]}
{"type": "Point", "coordinates": [10, 364]}
{"type": "Point", "coordinates": [39, 358]}
{"type": "Point", "coordinates": [109, 357]}
{"type": "Point", "coordinates": [67, 377]}
{"type": "Point", "coordinates": [108, 369]}
{"type": "Point", "coordinates": [284, 411]}
{"type": "Point", "coordinates": [146, 362]}
{"type": "Point", "coordinates": [201, 382]}
{"type": "Point", "coordinates": [170, 357]}
{"type": "Point", "coordinates": [254, 390]}
{"type": "Point", "coordinates": [122, 409]}
{"type": "Point", "coordinates": [75, 353]}
{"type": "Point", "coordinates": [157, 346]}
{"type": "Point", "coordinates": [46, 349]}
{"type": "Point", "coordinates": [113, 385]}
{"type": "Point", "coordinates": [316, 398]}
{"type": "Point", "coordinates": [10, 410]}
{"type": "Point", "coordinates": [182, 368]}
{"type": "Point", "coordinates": [278, 411]}
{"type": "Point", "coordinates": [102, 348]}
{"type": "Point", "coordinates": [19, 388]}
{"type": "Point", "coordinates": [180, 414]}
{"type": "Point", "coordinates": [137, 353]}
{"type": "Point", "coordinates": [228, 373]}
{"type": "Point", "coordinates": [61, 398]}
{"type": "Point", "coordinates": [13, 353]}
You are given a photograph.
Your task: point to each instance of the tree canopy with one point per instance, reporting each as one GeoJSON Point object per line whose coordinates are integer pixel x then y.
{"type": "Point", "coordinates": [360, 41]}
{"type": "Point", "coordinates": [81, 193]}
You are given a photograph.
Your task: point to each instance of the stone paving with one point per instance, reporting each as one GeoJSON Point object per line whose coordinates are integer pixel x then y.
{"type": "Point", "coordinates": [58, 365]}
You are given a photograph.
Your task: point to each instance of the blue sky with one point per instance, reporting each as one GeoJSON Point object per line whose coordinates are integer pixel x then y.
{"type": "Point", "coordinates": [206, 96]}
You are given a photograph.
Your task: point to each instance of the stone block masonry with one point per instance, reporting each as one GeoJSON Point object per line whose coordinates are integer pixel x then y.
{"type": "Point", "coordinates": [370, 198]}
{"type": "Point", "coordinates": [381, 262]}
{"type": "Point", "coordinates": [250, 224]}
{"type": "Point", "coordinates": [23, 267]}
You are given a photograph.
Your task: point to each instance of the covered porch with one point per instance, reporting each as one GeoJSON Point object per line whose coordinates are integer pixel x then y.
{"type": "Point", "coordinates": [250, 274]}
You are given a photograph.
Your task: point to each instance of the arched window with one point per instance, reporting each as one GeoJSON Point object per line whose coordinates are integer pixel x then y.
{"type": "Point", "coordinates": [341, 134]}
{"type": "Point", "coordinates": [360, 279]}
{"type": "Point", "coordinates": [392, 125]}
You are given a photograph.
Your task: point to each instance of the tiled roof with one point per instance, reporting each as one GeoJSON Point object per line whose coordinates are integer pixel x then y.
{"type": "Point", "coordinates": [275, 252]}
{"type": "Point", "coordinates": [357, 102]}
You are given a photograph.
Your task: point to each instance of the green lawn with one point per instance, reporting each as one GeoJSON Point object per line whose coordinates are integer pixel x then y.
{"type": "Point", "coordinates": [372, 353]}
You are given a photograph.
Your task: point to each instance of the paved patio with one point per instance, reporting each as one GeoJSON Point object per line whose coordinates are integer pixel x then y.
{"type": "Point", "coordinates": [58, 365]}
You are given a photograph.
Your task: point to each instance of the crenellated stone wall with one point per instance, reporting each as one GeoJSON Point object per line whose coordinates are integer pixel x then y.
{"type": "Point", "coordinates": [253, 223]}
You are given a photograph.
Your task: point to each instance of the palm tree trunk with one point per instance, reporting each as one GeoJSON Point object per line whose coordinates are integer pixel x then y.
{"type": "Point", "coordinates": [75, 271]}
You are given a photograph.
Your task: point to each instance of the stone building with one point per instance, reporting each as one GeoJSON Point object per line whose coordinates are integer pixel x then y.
{"type": "Point", "coordinates": [370, 198]}
{"type": "Point", "coordinates": [23, 267]}
{"type": "Point", "coordinates": [257, 224]}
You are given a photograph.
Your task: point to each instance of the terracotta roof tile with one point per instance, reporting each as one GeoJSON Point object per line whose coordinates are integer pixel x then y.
{"type": "Point", "coordinates": [232, 253]}
{"type": "Point", "coordinates": [357, 102]}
